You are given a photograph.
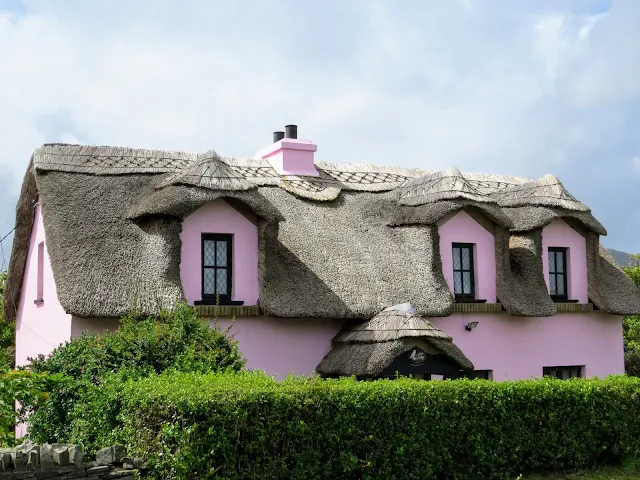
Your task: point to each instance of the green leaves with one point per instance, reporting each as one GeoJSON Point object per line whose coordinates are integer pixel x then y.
{"type": "Point", "coordinates": [248, 426]}
{"type": "Point", "coordinates": [85, 408]}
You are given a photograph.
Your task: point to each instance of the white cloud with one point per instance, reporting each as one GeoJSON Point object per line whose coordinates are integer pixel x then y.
{"type": "Point", "coordinates": [522, 89]}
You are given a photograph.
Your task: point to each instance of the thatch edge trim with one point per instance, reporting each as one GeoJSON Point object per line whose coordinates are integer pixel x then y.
{"type": "Point", "coordinates": [25, 216]}
{"type": "Point", "coordinates": [212, 311]}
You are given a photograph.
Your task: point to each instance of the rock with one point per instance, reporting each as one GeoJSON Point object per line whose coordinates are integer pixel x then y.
{"type": "Point", "coordinates": [60, 455]}
{"type": "Point", "coordinates": [46, 457]}
{"type": "Point", "coordinates": [110, 455]}
{"type": "Point", "coordinates": [76, 456]}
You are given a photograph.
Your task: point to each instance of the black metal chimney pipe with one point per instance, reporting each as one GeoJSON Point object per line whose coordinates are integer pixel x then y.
{"type": "Point", "coordinates": [277, 136]}
{"type": "Point", "coordinates": [291, 131]}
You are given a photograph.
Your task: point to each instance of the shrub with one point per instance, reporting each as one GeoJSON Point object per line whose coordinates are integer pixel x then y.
{"type": "Point", "coordinates": [248, 426]}
{"type": "Point", "coordinates": [178, 341]}
{"type": "Point", "coordinates": [632, 363]}
{"type": "Point", "coordinates": [27, 388]}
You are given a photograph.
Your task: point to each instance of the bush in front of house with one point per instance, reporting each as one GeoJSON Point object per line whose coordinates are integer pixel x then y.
{"type": "Point", "coordinates": [247, 426]}
{"type": "Point", "coordinates": [83, 409]}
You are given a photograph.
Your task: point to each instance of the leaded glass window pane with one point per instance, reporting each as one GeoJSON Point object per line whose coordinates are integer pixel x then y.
{"type": "Point", "coordinates": [552, 285]}
{"type": "Point", "coordinates": [457, 283]}
{"type": "Point", "coordinates": [221, 253]}
{"type": "Point", "coordinates": [209, 285]}
{"type": "Point", "coordinates": [552, 262]}
{"type": "Point", "coordinates": [559, 262]}
{"type": "Point", "coordinates": [456, 259]}
{"type": "Point", "coordinates": [466, 283]}
{"type": "Point", "coordinates": [466, 261]}
{"type": "Point", "coordinates": [560, 284]}
{"type": "Point", "coordinates": [209, 253]}
{"type": "Point", "coordinates": [221, 281]}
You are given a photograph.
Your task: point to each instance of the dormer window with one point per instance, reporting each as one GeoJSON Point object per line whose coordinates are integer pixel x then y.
{"type": "Point", "coordinates": [463, 272]}
{"type": "Point", "coordinates": [217, 269]}
{"type": "Point", "coordinates": [558, 273]}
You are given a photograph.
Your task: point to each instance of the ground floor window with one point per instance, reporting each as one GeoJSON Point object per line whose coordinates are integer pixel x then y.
{"type": "Point", "coordinates": [563, 373]}
{"type": "Point", "coordinates": [483, 374]}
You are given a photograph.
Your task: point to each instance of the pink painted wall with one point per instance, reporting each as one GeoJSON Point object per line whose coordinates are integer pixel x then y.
{"type": "Point", "coordinates": [220, 217]}
{"type": "Point", "coordinates": [93, 325]}
{"type": "Point", "coordinates": [462, 228]}
{"type": "Point", "coordinates": [518, 348]}
{"type": "Point", "coordinates": [559, 234]}
{"type": "Point", "coordinates": [39, 327]}
{"type": "Point", "coordinates": [280, 346]}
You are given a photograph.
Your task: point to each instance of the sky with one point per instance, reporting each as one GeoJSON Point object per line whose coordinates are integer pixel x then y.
{"type": "Point", "coordinates": [519, 88]}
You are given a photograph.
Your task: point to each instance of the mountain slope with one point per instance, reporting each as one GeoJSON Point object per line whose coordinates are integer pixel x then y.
{"type": "Point", "coordinates": [621, 258]}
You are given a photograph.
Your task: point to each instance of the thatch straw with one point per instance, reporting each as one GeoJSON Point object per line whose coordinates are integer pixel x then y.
{"type": "Point", "coordinates": [25, 211]}
{"type": "Point", "coordinates": [368, 348]}
{"type": "Point", "coordinates": [112, 217]}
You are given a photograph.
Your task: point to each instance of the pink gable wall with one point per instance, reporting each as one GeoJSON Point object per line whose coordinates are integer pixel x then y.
{"type": "Point", "coordinates": [281, 346]}
{"type": "Point", "coordinates": [559, 234]}
{"type": "Point", "coordinates": [39, 327]}
{"type": "Point", "coordinates": [518, 347]}
{"type": "Point", "coordinates": [220, 217]}
{"type": "Point", "coordinates": [462, 228]}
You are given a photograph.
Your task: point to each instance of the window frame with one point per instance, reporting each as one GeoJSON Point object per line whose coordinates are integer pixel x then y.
{"type": "Point", "coordinates": [209, 298]}
{"type": "Point", "coordinates": [462, 297]}
{"type": "Point", "coordinates": [546, 371]}
{"type": "Point", "coordinates": [564, 273]}
{"type": "Point", "coordinates": [472, 375]}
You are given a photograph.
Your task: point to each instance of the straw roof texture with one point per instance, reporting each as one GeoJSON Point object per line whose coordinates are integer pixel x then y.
{"type": "Point", "coordinates": [368, 348]}
{"type": "Point", "coordinates": [346, 244]}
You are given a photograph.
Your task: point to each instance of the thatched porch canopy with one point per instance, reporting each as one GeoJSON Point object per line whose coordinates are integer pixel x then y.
{"type": "Point", "coordinates": [371, 348]}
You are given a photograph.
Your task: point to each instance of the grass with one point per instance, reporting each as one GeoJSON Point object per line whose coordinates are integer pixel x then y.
{"type": "Point", "coordinates": [620, 473]}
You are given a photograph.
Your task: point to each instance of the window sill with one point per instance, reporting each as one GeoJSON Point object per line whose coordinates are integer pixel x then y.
{"type": "Point", "coordinates": [470, 300]}
{"type": "Point", "coordinates": [563, 300]}
{"type": "Point", "coordinates": [214, 302]}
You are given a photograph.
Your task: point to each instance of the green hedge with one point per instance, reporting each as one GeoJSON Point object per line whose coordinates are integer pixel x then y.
{"type": "Point", "coordinates": [247, 426]}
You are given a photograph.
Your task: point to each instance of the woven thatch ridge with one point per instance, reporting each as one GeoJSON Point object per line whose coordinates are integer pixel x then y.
{"type": "Point", "coordinates": [211, 172]}
{"type": "Point", "coordinates": [25, 212]}
{"type": "Point", "coordinates": [388, 326]}
{"type": "Point", "coordinates": [331, 258]}
{"type": "Point", "coordinates": [368, 348]}
{"type": "Point", "coordinates": [609, 288]}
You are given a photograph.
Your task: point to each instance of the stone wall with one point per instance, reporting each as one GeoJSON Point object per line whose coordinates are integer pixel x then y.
{"type": "Point", "coordinates": [62, 462]}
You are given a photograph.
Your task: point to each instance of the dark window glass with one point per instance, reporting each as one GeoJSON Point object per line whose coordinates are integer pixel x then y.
{"type": "Point", "coordinates": [563, 373]}
{"type": "Point", "coordinates": [463, 272]}
{"type": "Point", "coordinates": [216, 266]}
{"type": "Point", "coordinates": [558, 273]}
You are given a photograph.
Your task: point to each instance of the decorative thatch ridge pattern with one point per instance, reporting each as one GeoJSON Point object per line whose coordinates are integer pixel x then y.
{"type": "Point", "coordinates": [345, 244]}
{"type": "Point", "coordinates": [368, 348]}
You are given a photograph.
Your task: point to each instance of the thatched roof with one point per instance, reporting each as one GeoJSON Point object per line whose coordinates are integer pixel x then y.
{"type": "Point", "coordinates": [368, 348]}
{"type": "Point", "coordinates": [345, 244]}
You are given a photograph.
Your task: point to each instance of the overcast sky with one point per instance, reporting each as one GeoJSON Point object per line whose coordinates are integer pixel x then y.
{"type": "Point", "coordinates": [515, 87]}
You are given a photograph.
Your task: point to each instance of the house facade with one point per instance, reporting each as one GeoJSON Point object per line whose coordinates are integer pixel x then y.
{"type": "Point", "coordinates": [336, 269]}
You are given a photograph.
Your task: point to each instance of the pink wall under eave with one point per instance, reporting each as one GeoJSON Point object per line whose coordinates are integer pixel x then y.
{"type": "Point", "coordinates": [559, 234]}
{"type": "Point", "coordinates": [518, 347]}
{"type": "Point", "coordinates": [220, 217]}
{"type": "Point", "coordinates": [281, 346]}
{"type": "Point", "coordinates": [39, 328]}
{"type": "Point", "coordinates": [462, 228]}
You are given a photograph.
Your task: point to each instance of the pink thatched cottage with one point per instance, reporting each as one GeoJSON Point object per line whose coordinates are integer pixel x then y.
{"type": "Point", "coordinates": [337, 269]}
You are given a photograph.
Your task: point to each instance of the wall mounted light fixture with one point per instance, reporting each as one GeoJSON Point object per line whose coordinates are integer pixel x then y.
{"type": "Point", "coordinates": [471, 325]}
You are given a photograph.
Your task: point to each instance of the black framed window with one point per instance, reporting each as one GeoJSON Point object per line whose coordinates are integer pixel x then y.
{"type": "Point", "coordinates": [463, 271]}
{"type": "Point", "coordinates": [558, 273]}
{"type": "Point", "coordinates": [563, 373]}
{"type": "Point", "coordinates": [217, 266]}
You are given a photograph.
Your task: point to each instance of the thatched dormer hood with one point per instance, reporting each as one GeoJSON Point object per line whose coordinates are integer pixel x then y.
{"type": "Point", "coordinates": [345, 244]}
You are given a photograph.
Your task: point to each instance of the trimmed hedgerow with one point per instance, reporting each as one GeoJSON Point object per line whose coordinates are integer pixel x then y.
{"type": "Point", "coordinates": [247, 426]}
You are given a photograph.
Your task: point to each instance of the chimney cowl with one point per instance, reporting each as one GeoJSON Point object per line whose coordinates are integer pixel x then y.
{"type": "Point", "coordinates": [277, 136]}
{"type": "Point", "coordinates": [291, 131]}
